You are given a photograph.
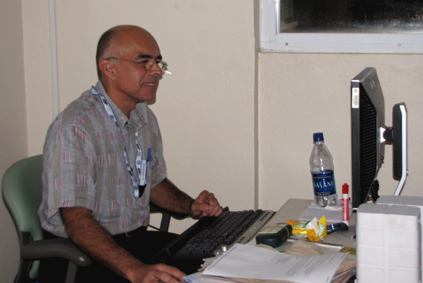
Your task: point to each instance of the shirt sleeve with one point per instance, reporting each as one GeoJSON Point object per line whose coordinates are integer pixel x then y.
{"type": "Point", "coordinates": [69, 172]}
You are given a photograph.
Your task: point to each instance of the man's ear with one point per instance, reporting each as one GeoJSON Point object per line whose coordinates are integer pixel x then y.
{"type": "Point", "coordinates": [107, 68]}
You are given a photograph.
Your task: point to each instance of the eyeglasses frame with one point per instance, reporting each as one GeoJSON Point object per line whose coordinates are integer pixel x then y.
{"type": "Point", "coordinates": [163, 68]}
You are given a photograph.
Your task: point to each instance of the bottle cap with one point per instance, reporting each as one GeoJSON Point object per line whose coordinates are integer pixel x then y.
{"type": "Point", "coordinates": [345, 188]}
{"type": "Point", "coordinates": [318, 137]}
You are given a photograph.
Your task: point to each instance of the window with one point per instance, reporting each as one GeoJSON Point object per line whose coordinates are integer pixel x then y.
{"type": "Point", "coordinates": [346, 26]}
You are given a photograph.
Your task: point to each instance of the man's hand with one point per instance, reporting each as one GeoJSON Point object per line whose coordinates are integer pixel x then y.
{"type": "Point", "coordinates": [166, 195]}
{"type": "Point", "coordinates": [205, 205]}
{"type": "Point", "coordinates": [157, 273]}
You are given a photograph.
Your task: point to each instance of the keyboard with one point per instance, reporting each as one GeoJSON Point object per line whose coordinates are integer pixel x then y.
{"type": "Point", "coordinates": [209, 234]}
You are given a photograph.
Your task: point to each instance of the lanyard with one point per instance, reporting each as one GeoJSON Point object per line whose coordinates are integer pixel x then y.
{"type": "Point", "coordinates": [141, 164]}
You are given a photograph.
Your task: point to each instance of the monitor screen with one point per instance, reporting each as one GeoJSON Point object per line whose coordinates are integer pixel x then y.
{"type": "Point", "coordinates": [369, 135]}
{"type": "Point", "coordinates": [367, 123]}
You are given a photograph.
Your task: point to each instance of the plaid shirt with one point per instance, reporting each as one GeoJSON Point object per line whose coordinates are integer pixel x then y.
{"type": "Point", "coordinates": [84, 164]}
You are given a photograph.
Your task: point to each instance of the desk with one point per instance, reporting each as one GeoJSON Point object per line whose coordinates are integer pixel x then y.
{"type": "Point", "coordinates": [293, 209]}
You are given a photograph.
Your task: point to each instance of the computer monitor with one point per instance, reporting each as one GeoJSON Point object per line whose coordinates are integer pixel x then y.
{"type": "Point", "coordinates": [369, 135]}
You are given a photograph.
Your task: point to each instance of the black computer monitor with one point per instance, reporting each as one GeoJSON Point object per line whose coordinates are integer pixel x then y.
{"type": "Point", "coordinates": [369, 135]}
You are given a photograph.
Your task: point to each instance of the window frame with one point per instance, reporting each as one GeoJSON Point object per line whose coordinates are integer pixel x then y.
{"type": "Point", "coordinates": [273, 41]}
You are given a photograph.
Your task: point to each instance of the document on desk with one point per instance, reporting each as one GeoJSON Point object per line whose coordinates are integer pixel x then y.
{"type": "Point", "coordinates": [248, 261]}
{"type": "Point", "coordinates": [332, 214]}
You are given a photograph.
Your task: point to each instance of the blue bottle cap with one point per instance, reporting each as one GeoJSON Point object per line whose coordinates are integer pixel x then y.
{"type": "Point", "coordinates": [318, 137]}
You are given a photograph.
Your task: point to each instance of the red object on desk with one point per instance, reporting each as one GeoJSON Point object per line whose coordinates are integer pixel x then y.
{"type": "Point", "coordinates": [345, 204]}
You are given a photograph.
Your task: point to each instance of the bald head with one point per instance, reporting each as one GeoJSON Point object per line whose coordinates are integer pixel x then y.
{"type": "Point", "coordinates": [115, 40]}
{"type": "Point", "coordinates": [129, 66]}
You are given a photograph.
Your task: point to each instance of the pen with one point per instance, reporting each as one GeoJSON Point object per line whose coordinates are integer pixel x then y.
{"type": "Point", "coordinates": [149, 157]}
{"type": "Point", "coordinates": [345, 204]}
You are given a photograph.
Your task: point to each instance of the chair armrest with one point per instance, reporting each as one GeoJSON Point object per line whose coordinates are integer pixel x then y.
{"type": "Point", "coordinates": [166, 215]}
{"type": "Point", "coordinates": [63, 248]}
{"type": "Point", "coordinates": [155, 209]}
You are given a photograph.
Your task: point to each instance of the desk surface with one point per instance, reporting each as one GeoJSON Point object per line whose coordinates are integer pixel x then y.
{"type": "Point", "coordinates": [292, 210]}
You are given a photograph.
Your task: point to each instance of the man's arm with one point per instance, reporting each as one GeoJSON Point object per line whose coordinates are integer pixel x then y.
{"type": "Point", "coordinates": [166, 195]}
{"type": "Point", "coordinates": [90, 236]}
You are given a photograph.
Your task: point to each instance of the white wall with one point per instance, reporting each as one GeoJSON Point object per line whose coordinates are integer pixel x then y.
{"type": "Point", "coordinates": [305, 93]}
{"type": "Point", "coordinates": [208, 107]}
{"type": "Point", "coordinates": [205, 108]}
{"type": "Point", "coordinates": [13, 142]}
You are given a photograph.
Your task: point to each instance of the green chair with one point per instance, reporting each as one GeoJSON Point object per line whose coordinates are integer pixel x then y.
{"type": "Point", "coordinates": [22, 190]}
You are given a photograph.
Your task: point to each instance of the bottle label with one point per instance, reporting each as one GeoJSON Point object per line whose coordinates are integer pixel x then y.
{"type": "Point", "coordinates": [324, 183]}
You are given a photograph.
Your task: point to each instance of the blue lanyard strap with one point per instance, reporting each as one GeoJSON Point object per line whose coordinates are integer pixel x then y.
{"type": "Point", "coordinates": [140, 164]}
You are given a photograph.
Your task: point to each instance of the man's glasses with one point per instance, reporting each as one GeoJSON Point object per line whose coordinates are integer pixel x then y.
{"type": "Point", "coordinates": [148, 64]}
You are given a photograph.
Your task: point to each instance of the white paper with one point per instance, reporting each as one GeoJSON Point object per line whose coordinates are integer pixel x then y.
{"type": "Point", "coordinates": [247, 261]}
{"type": "Point", "coordinates": [198, 278]}
{"type": "Point", "coordinates": [332, 214]}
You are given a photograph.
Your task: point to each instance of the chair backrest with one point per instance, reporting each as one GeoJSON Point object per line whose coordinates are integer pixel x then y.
{"type": "Point", "coordinates": [22, 192]}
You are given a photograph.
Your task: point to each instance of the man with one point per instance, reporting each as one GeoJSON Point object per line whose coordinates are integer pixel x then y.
{"type": "Point", "coordinates": [103, 165]}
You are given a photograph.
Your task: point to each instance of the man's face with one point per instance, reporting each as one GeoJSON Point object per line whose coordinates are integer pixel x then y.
{"type": "Point", "coordinates": [132, 82]}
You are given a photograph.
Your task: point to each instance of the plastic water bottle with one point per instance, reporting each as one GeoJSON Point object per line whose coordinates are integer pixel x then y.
{"type": "Point", "coordinates": [322, 171]}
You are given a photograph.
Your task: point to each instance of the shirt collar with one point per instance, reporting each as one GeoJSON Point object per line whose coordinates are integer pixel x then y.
{"type": "Point", "coordinates": [120, 117]}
